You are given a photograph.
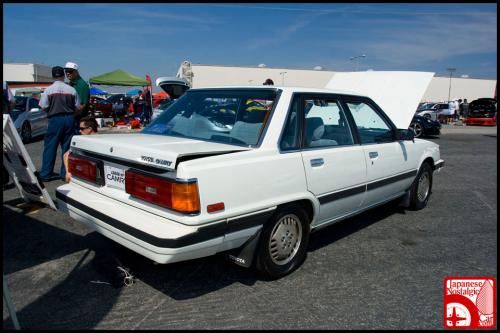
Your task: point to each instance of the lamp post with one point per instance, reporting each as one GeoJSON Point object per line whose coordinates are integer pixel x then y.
{"type": "Point", "coordinates": [283, 78]}
{"type": "Point", "coordinates": [451, 70]}
{"type": "Point", "coordinates": [357, 61]}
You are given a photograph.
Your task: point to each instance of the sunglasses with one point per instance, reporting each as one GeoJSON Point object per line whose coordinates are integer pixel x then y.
{"type": "Point", "coordinates": [83, 128]}
{"type": "Point", "coordinates": [69, 71]}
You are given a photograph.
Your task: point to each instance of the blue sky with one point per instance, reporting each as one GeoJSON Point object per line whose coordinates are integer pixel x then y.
{"type": "Point", "coordinates": [155, 38]}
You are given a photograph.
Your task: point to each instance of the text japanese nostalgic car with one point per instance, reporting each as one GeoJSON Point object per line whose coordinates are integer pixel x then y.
{"type": "Point", "coordinates": [247, 170]}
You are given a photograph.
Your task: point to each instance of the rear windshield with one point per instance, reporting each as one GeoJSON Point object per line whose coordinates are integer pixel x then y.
{"type": "Point", "coordinates": [233, 116]}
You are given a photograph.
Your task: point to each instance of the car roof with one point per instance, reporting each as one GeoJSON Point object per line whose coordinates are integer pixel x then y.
{"type": "Point", "coordinates": [285, 89]}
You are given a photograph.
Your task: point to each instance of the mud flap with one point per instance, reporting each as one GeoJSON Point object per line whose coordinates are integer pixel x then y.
{"type": "Point", "coordinates": [243, 256]}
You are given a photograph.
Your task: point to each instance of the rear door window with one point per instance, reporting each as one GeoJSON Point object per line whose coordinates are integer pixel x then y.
{"type": "Point", "coordinates": [371, 126]}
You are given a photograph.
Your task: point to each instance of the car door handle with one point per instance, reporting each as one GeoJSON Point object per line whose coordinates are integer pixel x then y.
{"type": "Point", "coordinates": [373, 154]}
{"type": "Point", "coordinates": [317, 162]}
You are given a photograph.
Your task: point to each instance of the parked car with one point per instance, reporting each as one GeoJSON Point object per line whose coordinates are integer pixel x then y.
{"type": "Point", "coordinates": [118, 102]}
{"type": "Point", "coordinates": [435, 111]}
{"type": "Point", "coordinates": [425, 106]}
{"type": "Point", "coordinates": [482, 111]}
{"type": "Point", "coordinates": [98, 104]}
{"type": "Point", "coordinates": [115, 98]}
{"type": "Point", "coordinates": [423, 126]}
{"type": "Point", "coordinates": [183, 189]}
{"type": "Point", "coordinates": [29, 119]}
{"type": "Point", "coordinates": [174, 87]}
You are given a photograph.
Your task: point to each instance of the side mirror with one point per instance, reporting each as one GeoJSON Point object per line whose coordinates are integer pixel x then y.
{"type": "Point", "coordinates": [405, 135]}
{"type": "Point", "coordinates": [34, 109]}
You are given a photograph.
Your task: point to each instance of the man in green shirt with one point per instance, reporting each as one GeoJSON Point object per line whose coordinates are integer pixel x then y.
{"type": "Point", "coordinates": [82, 89]}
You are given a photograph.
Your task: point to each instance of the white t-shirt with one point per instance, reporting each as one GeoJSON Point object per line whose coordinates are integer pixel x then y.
{"type": "Point", "coordinates": [451, 107]}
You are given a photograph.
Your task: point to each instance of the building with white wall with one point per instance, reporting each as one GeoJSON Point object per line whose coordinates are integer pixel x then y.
{"type": "Point", "coordinates": [214, 75]}
{"type": "Point", "coordinates": [26, 73]}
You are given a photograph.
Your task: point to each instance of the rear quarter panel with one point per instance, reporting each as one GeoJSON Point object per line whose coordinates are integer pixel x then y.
{"type": "Point", "coordinates": [247, 181]}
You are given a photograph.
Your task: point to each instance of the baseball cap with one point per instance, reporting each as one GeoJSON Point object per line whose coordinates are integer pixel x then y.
{"type": "Point", "coordinates": [57, 71]}
{"type": "Point", "coordinates": [71, 65]}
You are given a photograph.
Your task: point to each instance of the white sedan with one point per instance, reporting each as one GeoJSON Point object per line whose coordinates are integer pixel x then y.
{"type": "Point", "coordinates": [182, 189]}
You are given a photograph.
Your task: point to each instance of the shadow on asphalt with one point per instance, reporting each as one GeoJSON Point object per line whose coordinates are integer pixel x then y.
{"type": "Point", "coordinates": [29, 243]}
{"type": "Point", "coordinates": [344, 228]}
{"type": "Point", "coordinates": [78, 303]}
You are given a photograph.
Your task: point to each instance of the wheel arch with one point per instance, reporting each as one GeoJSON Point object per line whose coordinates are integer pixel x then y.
{"type": "Point", "coordinates": [430, 161]}
{"type": "Point", "coordinates": [309, 207]}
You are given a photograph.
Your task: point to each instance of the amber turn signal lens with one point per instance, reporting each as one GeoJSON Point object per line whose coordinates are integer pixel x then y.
{"type": "Point", "coordinates": [185, 197]}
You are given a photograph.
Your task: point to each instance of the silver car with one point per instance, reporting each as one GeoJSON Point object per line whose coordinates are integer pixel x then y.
{"type": "Point", "coordinates": [29, 119]}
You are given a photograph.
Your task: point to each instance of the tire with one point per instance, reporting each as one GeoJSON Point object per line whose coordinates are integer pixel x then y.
{"type": "Point", "coordinates": [421, 188]}
{"type": "Point", "coordinates": [26, 132]}
{"type": "Point", "coordinates": [418, 129]}
{"type": "Point", "coordinates": [283, 242]}
{"type": "Point", "coordinates": [428, 116]}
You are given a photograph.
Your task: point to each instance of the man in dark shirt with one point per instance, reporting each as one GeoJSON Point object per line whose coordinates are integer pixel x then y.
{"type": "Point", "coordinates": [83, 90]}
{"type": "Point", "coordinates": [60, 101]}
{"type": "Point", "coordinates": [465, 110]}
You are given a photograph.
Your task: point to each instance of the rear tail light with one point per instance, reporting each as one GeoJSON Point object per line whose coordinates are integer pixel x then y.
{"type": "Point", "coordinates": [179, 196]}
{"type": "Point", "coordinates": [86, 168]}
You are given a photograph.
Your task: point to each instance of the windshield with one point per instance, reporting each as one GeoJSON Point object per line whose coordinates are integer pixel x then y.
{"type": "Point", "coordinates": [425, 106]}
{"type": "Point", "coordinates": [234, 116]}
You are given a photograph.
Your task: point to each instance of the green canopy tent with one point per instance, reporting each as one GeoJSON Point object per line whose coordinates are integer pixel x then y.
{"type": "Point", "coordinates": [120, 78]}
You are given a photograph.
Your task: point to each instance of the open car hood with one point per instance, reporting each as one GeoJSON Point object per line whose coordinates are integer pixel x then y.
{"type": "Point", "coordinates": [21, 169]}
{"type": "Point", "coordinates": [175, 87]}
{"type": "Point", "coordinates": [397, 93]}
{"type": "Point", "coordinates": [160, 151]}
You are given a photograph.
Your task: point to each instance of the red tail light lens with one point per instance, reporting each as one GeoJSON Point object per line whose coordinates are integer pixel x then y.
{"type": "Point", "coordinates": [182, 197]}
{"type": "Point", "coordinates": [84, 168]}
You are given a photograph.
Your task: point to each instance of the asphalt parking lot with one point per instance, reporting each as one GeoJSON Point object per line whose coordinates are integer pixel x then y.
{"type": "Point", "coordinates": [384, 269]}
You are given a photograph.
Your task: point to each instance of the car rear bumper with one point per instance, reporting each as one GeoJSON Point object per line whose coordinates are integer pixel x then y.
{"type": "Point", "coordinates": [481, 121]}
{"type": "Point", "coordinates": [157, 238]}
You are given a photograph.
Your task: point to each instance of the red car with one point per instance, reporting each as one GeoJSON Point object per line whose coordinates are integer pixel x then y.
{"type": "Point", "coordinates": [482, 111]}
{"type": "Point", "coordinates": [98, 104]}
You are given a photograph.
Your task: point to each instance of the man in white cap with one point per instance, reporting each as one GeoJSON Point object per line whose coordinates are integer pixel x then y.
{"type": "Point", "coordinates": [83, 90]}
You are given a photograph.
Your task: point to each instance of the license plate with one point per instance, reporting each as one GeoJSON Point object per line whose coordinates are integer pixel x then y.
{"type": "Point", "coordinates": [115, 177]}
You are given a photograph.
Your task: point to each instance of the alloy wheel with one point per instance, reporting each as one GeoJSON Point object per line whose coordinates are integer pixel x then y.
{"type": "Point", "coordinates": [285, 240]}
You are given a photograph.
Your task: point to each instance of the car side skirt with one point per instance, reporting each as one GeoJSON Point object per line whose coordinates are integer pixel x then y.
{"type": "Point", "coordinates": [366, 187]}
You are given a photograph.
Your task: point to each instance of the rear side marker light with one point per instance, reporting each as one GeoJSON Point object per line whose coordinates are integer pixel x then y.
{"type": "Point", "coordinates": [215, 207]}
{"type": "Point", "coordinates": [179, 196]}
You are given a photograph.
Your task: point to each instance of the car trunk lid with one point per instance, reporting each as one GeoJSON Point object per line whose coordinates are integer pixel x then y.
{"type": "Point", "coordinates": [163, 152]}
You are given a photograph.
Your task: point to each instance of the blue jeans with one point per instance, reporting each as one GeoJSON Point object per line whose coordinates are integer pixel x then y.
{"type": "Point", "coordinates": [59, 132]}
